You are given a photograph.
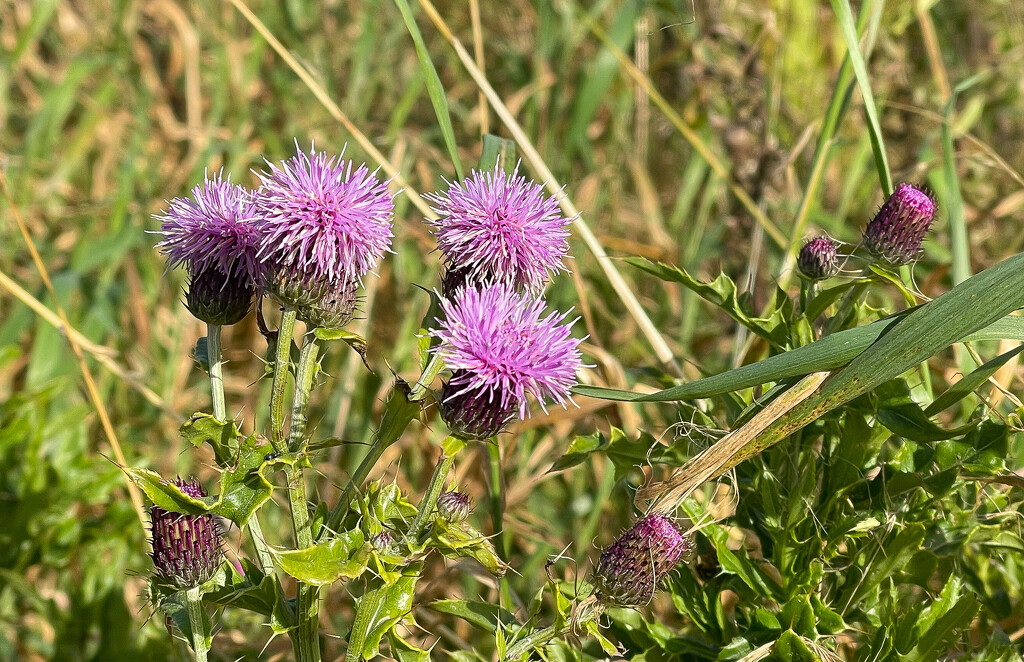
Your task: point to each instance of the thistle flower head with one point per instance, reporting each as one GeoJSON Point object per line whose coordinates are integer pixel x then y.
{"type": "Point", "coordinates": [212, 229]}
{"type": "Point", "coordinates": [186, 548]}
{"type": "Point", "coordinates": [321, 216]}
{"type": "Point", "coordinates": [501, 349]}
{"type": "Point", "coordinates": [499, 227]}
{"type": "Point", "coordinates": [454, 506]}
{"type": "Point", "coordinates": [631, 567]}
{"type": "Point", "coordinates": [817, 259]}
{"type": "Point", "coordinates": [899, 227]}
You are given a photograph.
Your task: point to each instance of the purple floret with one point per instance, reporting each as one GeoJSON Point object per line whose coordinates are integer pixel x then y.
{"type": "Point", "coordinates": [212, 229]}
{"type": "Point", "coordinates": [320, 215]}
{"type": "Point", "coordinates": [500, 227]}
{"type": "Point", "coordinates": [501, 348]}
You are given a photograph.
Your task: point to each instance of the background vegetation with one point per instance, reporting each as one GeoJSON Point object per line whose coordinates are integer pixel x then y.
{"type": "Point", "coordinates": [107, 108]}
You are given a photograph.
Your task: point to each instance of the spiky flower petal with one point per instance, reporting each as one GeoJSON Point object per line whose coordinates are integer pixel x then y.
{"type": "Point", "coordinates": [212, 229]}
{"type": "Point", "coordinates": [498, 227]}
{"type": "Point", "coordinates": [186, 548]}
{"type": "Point", "coordinates": [818, 259]}
{"type": "Point", "coordinates": [631, 568]}
{"type": "Point", "coordinates": [454, 506]}
{"type": "Point", "coordinates": [899, 227]}
{"type": "Point", "coordinates": [321, 216]}
{"type": "Point", "coordinates": [502, 349]}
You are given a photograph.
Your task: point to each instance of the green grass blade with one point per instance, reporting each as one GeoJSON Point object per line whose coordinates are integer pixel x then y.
{"type": "Point", "coordinates": [434, 87]}
{"type": "Point", "coordinates": [829, 353]}
{"type": "Point", "coordinates": [966, 386]}
{"type": "Point", "coordinates": [959, 242]}
{"type": "Point", "coordinates": [845, 16]}
{"type": "Point", "coordinates": [498, 150]}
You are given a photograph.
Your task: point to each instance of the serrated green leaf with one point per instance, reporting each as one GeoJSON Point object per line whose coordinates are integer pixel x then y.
{"type": "Point", "coordinates": [387, 604]}
{"type": "Point", "coordinates": [167, 495]}
{"type": "Point", "coordinates": [223, 436]}
{"type": "Point", "coordinates": [789, 647]}
{"type": "Point", "coordinates": [403, 651]}
{"type": "Point", "coordinates": [341, 557]}
{"type": "Point", "coordinates": [897, 411]}
{"type": "Point", "coordinates": [243, 487]}
{"type": "Point", "coordinates": [460, 540]}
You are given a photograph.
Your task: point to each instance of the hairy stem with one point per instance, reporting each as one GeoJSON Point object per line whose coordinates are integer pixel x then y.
{"type": "Point", "coordinates": [451, 446]}
{"type": "Point", "coordinates": [201, 635]}
{"type": "Point", "coordinates": [220, 412]}
{"type": "Point", "coordinates": [306, 641]}
{"type": "Point", "coordinates": [282, 359]}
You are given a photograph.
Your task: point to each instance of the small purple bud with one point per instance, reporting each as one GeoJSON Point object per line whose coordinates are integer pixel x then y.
{"type": "Point", "coordinates": [216, 298]}
{"type": "Point", "coordinates": [474, 415]}
{"type": "Point", "coordinates": [186, 548]}
{"type": "Point", "coordinates": [631, 567]}
{"type": "Point", "coordinates": [454, 506]}
{"type": "Point", "coordinates": [899, 227]}
{"type": "Point", "coordinates": [817, 259]}
{"type": "Point", "coordinates": [383, 542]}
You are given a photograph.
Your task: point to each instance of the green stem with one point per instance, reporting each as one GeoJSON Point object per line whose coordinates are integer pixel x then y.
{"type": "Point", "coordinates": [434, 367]}
{"type": "Point", "coordinates": [846, 304]}
{"type": "Point", "coordinates": [220, 411]}
{"type": "Point", "coordinates": [497, 497]}
{"type": "Point", "coordinates": [213, 355]}
{"type": "Point", "coordinates": [306, 641]}
{"type": "Point", "coordinates": [200, 624]}
{"type": "Point", "coordinates": [282, 359]}
{"type": "Point", "coordinates": [451, 446]}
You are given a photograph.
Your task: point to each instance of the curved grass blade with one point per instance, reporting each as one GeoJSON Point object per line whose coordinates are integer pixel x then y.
{"type": "Point", "coordinates": [966, 386]}
{"type": "Point", "coordinates": [829, 353]}
{"type": "Point", "coordinates": [434, 87]}
{"type": "Point", "coordinates": [845, 16]}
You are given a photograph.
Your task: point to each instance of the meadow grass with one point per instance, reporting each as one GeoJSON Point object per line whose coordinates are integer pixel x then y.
{"type": "Point", "coordinates": [712, 136]}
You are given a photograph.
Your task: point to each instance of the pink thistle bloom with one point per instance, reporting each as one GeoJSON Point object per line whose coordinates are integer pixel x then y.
{"type": "Point", "coordinates": [213, 229]}
{"type": "Point", "coordinates": [501, 349]}
{"type": "Point", "coordinates": [322, 218]}
{"type": "Point", "coordinates": [500, 227]}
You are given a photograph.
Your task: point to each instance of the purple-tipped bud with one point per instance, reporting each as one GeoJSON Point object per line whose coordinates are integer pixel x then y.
{"type": "Point", "coordinates": [454, 506]}
{"type": "Point", "coordinates": [186, 548]}
{"type": "Point", "coordinates": [899, 227]}
{"type": "Point", "coordinates": [216, 298]}
{"type": "Point", "coordinates": [473, 415]}
{"type": "Point", "coordinates": [383, 542]}
{"type": "Point", "coordinates": [817, 259]}
{"type": "Point", "coordinates": [631, 567]}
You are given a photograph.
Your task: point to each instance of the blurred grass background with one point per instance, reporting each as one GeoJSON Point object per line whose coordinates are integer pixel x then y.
{"type": "Point", "coordinates": [108, 108]}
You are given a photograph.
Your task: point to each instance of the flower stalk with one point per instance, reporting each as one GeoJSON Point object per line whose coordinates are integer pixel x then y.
{"type": "Point", "coordinates": [202, 635]}
{"type": "Point", "coordinates": [450, 447]}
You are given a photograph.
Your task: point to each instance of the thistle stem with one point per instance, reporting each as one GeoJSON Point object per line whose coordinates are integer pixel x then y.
{"type": "Point", "coordinates": [451, 446]}
{"type": "Point", "coordinates": [200, 625]}
{"type": "Point", "coordinates": [282, 359]}
{"type": "Point", "coordinates": [213, 352]}
{"type": "Point", "coordinates": [306, 641]}
{"type": "Point", "coordinates": [220, 412]}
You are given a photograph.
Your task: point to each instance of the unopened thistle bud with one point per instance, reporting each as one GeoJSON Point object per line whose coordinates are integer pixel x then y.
{"type": "Point", "coordinates": [817, 259]}
{"type": "Point", "coordinates": [216, 298]}
{"type": "Point", "coordinates": [383, 542]}
{"type": "Point", "coordinates": [899, 227]}
{"type": "Point", "coordinates": [186, 548]}
{"type": "Point", "coordinates": [473, 415]}
{"type": "Point", "coordinates": [454, 506]}
{"type": "Point", "coordinates": [631, 568]}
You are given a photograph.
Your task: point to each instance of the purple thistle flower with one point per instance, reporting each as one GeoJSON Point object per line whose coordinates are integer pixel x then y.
{"type": "Point", "coordinates": [213, 229]}
{"type": "Point", "coordinates": [899, 227]}
{"type": "Point", "coordinates": [631, 567]}
{"type": "Point", "coordinates": [817, 259]}
{"type": "Point", "coordinates": [454, 506]}
{"type": "Point", "coordinates": [501, 349]}
{"type": "Point", "coordinates": [320, 216]}
{"type": "Point", "coordinates": [499, 227]}
{"type": "Point", "coordinates": [186, 548]}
